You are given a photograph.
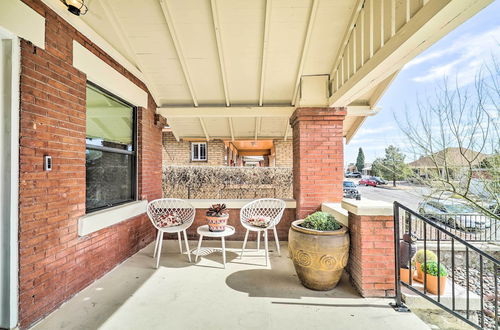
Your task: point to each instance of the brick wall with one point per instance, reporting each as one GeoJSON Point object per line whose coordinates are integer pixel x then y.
{"type": "Point", "coordinates": [55, 263]}
{"type": "Point", "coordinates": [283, 153]}
{"type": "Point", "coordinates": [371, 259]}
{"type": "Point", "coordinates": [179, 152]}
{"type": "Point", "coordinates": [317, 157]}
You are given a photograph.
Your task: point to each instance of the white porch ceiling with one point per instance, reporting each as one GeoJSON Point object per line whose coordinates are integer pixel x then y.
{"type": "Point", "coordinates": [245, 54]}
{"type": "Point", "coordinates": [219, 52]}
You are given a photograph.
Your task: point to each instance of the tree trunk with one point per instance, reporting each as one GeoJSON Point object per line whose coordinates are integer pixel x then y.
{"type": "Point", "coordinates": [394, 181]}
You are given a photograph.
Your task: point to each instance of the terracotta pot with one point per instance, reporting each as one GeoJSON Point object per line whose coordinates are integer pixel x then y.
{"type": "Point", "coordinates": [404, 274]}
{"type": "Point", "coordinates": [431, 284]}
{"type": "Point", "coordinates": [419, 277]}
{"type": "Point", "coordinates": [319, 257]}
{"type": "Point", "coordinates": [217, 223]}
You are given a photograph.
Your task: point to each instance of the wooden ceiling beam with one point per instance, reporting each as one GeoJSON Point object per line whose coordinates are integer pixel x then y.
{"type": "Point", "coordinates": [220, 51]}
{"type": "Point", "coordinates": [178, 50]}
{"type": "Point", "coordinates": [305, 49]}
{"type": "Point", "coordinates": [267, 24]}
{"type": "Point", "coordinates": [233, 112]}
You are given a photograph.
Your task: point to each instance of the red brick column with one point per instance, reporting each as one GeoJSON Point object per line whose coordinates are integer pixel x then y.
{"type": "Point", "coordinates": [371, 258]}
{"type": "Point", "coordinates": [318, 157]}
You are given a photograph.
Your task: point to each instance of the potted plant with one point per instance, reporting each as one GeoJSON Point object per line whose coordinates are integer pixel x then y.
{"type": "Point", "coordinates": [419, 260]}
{"type": "Point", "coordinates": [319, 248]}
{"type": "Point", "coordinates": [217, 217]}
{"type": "Point", "coordinates": [433, 276]}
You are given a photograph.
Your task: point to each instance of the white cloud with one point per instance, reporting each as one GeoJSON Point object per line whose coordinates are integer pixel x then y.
{"type": "Point", "coordinates": [470, 52]}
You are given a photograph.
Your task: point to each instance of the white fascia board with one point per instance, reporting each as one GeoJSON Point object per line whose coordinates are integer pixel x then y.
{"type": "Point", "coordinates": [96, 221]}
{"type": "Point", "coordinates": [19, 19]}
{"type": "Point", "coordinates": [103, 75]}
{"type": "Point", "coordinates": [225, 112]}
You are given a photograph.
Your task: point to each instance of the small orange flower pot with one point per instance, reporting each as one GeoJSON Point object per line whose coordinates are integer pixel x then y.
{"type": "Point", "coordinates": [419, 277]}
{"type": "Point", "coordinates": [405, 273]}
{"type": "Point", "coordinates": [431, 284]}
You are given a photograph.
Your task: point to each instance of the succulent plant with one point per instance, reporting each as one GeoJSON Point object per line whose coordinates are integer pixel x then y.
{"type": "Point", "coordinates": [217, 210]}
{"type": "Point", "coordinates": [431, 268]}
{"type": "Point", "coordinates": [430, 256]}
{"type": "Point", "coordinates": [321, 221]}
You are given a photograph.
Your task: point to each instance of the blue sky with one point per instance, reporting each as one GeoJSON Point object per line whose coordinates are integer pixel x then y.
{"type": "Point", "coordinates": [458, 55]}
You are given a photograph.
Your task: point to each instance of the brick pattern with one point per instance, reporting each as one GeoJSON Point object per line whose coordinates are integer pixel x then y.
{"type": "Point", "coordinates": [55, 263]}
{"type": "Point", "coordinates": [283, 153]}
{"type": "Point", "coordinates": [318, 157]}
{"type": "Point", "coordinates": [179, 152]}
{"type": "Point", "coordinates": [371, 260]}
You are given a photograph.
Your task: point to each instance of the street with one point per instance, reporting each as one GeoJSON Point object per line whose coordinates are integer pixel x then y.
{"type": "Point", "coordinates": [409, 196]}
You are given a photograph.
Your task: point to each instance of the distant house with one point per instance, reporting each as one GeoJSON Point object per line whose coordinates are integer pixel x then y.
{"type": "Point", "coordinates": [367, 170]}
{"type": "Point", "coordinates": [455, 159]}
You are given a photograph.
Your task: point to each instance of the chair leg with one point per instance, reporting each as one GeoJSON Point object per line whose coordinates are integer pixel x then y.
{"type": "Point", "coordinates": [158, 253]}
{"type": "Point", "coordinates": [277, 240]}
{"type": "Point", "coordinates": [187, 245]}
{"type": "Point", "coordinates": [198, 249]}
{"type": "Point", "coordinates": [179, 238]}
{"type": "Point", "coordinates": [244, 244]}
{"type": "Point", "coordinates": [258, 241]}
{"type": "Point", "coordinates": [266, 246]}
{"type": "Point", "coordinates": [156, 243]}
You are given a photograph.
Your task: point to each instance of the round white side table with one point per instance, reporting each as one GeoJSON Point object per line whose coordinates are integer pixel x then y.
{"type": "Point", "coordinates": [204, 231]}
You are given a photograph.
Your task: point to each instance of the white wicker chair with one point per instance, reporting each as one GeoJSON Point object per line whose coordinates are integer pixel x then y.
{"type": "Point", "coordinates": [183, 210]}
{"type": "Point", "coordinates": [265, 207]}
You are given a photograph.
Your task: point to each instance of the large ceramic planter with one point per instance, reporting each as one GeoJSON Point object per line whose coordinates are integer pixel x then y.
{"type": "Point", "coordinates": [319, 257]}
{"type": "Point", "coordinates": [217, 223]}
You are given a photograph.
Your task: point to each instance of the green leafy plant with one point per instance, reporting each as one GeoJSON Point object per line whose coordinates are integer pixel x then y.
{"type": "Point", "coordinates": [431, 268]}
{"type": "Point", "coordinates": [321, 221]}
{"type": "Point", "coordinates": [430, 256]}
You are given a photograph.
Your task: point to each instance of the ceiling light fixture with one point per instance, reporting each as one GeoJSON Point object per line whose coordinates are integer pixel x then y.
{"type": "Point", "coordinates": [76, 7]}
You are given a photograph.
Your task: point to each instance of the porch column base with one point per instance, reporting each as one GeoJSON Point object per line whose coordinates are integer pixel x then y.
{"type": "Point", "coordinates": [318, 157]}
{"type": "Point", "coordinates": [371, 257]}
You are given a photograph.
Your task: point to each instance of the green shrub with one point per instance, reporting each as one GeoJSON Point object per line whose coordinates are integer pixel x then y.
{"type": "Point", "coordinates": [321, 221]}
{"type": "Point", "coordinates": [430, 256]}
{"type": "Point", "coordinates": [431, 268]}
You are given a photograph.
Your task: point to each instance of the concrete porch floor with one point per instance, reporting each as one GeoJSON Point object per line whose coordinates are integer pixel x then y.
{"type": "Point", "coordinates": [245, 295]}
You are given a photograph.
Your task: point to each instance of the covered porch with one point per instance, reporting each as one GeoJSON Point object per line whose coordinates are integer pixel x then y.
{"type": "Point", "coordinates": [81, 171]}
{"type": "Point", "coordinates": [244, 295]}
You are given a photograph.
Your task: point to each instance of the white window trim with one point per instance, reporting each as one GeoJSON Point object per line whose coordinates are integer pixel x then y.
{"type": "Point", "coordinates": [95, 221]}
{"type": "Point", "coordinates": [192, 151]}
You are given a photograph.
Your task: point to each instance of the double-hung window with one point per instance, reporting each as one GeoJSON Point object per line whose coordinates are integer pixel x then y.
{"type": "Point", "coordinates": [110, 150]}
{"type": "Point", "coordinates": [199, 151]}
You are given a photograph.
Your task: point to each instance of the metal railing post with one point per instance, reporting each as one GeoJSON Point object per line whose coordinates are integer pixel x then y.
{"type": "Point", "coordinates": [398, 306]}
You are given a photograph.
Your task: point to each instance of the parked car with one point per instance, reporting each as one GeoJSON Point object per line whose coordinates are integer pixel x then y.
{"type": "Point", "coordinates": [378, 180]}
{"type": "Point", "coordinates": [368, 182]}
{"type": "Point", "coordinates": [350, 190]}
{"type": "Point", "coordinates": [454, 214]}
{"type": "Point", "coordinates": [353, 175]}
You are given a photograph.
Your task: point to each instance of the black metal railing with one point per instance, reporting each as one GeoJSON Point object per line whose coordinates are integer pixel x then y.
{"type": "Point", "coordinates": [472, 275]}
{"type": "Point", "coordinates": [469, 227]}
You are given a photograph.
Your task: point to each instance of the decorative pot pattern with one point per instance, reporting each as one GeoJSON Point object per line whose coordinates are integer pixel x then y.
{"type": "Point", "coordinates": [319, 257]}
{"type": "Point", "coordinates": [217, 223]}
